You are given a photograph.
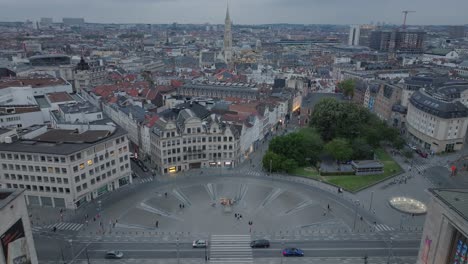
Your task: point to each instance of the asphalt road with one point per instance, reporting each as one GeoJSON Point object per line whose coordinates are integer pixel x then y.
{"type": "Point", "coordinates": [185, 250]}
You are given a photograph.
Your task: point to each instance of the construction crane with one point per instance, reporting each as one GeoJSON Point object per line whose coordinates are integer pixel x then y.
{"type": "Point", "coordinates": [406, 14]}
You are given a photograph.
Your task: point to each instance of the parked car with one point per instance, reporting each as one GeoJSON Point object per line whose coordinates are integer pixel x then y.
{"type": "Point", "coordinates": [261, 243]}
{"type": "Point", "coordinates": [421, 153]}
{"type": "Point", "coordinates": [114, 254]}
{"type": "Point", "coordinates": [199, 243]}
{"type": "Point", "coordinates": [293, 252]}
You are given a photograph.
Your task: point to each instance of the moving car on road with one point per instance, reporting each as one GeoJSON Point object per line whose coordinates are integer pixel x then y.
{"type": "Point", "coordinates": [199, 243]}
{"type": "Point", "coordinates": [114, 254]}
{"type": "Point", "coordinates": [261, 243]}
{"type": "Point", "coordinates": [293, 252]}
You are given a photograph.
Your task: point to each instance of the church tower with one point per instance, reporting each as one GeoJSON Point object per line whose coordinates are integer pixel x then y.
{"type": "Point", "coordinates": [227, 38]}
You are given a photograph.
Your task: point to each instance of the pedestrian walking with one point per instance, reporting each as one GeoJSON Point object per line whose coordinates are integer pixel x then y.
{"type": "Point", "coordinates": [183, 205]}
{"type": "Point", "coordinates": [235, 215]}
{"type": "Point", "coordinates": [157, 224]}
{"type": "Point", "coordinates": [328, 207]}
{"type": "Point", "coordinates": [180, 206]}
{"type": "Point", "coordinates": [165, 194]}
{"type": "Point", "coordinates": [87, 223]}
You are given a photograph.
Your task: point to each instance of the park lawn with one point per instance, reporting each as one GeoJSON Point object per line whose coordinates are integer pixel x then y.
{"type": "Point", "coordinates": [354, 183]}
{"type": "Point", "coordinates": [309, 172]}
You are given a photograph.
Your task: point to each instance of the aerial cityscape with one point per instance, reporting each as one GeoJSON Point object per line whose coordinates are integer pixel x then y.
{"type": "Point", "coordinates": [240, 132]}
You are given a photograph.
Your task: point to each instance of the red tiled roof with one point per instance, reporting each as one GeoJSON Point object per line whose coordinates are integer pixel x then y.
{"type": "Point", "coordinates": [151, 120]}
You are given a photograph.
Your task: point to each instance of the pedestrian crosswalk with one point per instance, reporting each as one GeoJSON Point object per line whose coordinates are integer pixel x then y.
{"type": "Point", "coordinates": [383, 228]}
{"type": "Point", "coordinates": [59, 226]}
{"type": "Point", "coordinates": [251, 172]}
{"type": "Point", "coordinates": [225, 249]}
{"type": "Point", "coordinates": [146, 180]}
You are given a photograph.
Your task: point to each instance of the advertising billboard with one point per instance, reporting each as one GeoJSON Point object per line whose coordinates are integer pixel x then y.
{"type": "Point", "coordinates": [15, 247]}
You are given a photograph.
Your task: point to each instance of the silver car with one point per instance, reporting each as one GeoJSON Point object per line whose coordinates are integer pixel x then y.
{"type": "Point", "coordinates": [199, 243]}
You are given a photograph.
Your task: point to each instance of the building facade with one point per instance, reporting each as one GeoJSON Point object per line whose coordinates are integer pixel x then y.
{"type": "Point", "coordinates": [66, 168]}
{"type": "Point", "coordinates": [436, 123]}
{"type": "Point", "coordinates": [220, 90]}
{"type": "Point", "coordinates": [445, 235]}
{"type": "Point", "coordinates": [354, 34]}
{"type": "Point", "coordinates": [15, 229]}
{"type": "Point", "coordinates": [189, 142]}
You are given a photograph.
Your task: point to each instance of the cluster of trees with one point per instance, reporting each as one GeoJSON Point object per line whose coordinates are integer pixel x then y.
{"type": "Point", "coordinates": [285, 153]}
{"type": "Point", "coordinates": [341, 129]}
{"type": "Point", "coordinates": [351, 131]}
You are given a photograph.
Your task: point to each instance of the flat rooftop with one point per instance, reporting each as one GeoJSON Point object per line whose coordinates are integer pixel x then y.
{"type": "Point", "coordinates": [33, 82]}
{"type": "Point", "coordinates": [61, 141]}
{"type": "Point", "coordinates": [59, 97]}
{"type": "Point", "coordinates": [8, 195]}
{"type": "Point", "coordinates": [455, 199]}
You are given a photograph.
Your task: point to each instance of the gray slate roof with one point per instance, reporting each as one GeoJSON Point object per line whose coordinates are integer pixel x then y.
{"type": "Point", "coordinates": [455, 199]}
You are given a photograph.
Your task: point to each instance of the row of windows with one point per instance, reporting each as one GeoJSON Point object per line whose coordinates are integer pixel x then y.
{"type": "Point", "coordinates": [197, 157]}
{"type": "Point", "coordinates": [196, 140]}
{"type": "Point", "coordinates": [188, 131]}
{"type": "Point", "coordinates": [31, 168]}
{"type": "Point", "coordinates": [39, 188]}
{"type": "Point", "coordinates": [35, 178]}
{"type": "Point", "coordinates": [35, 158]}
{"type": "Point", "coordinates": [82, 166]}
{"type": "Point", "coordinates": [196, 148]}
{"type": "Point", "coordinates": [98, 179]}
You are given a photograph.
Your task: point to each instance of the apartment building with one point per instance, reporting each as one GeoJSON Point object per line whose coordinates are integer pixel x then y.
{"type": "Point", "coordinates": [435, 122]}
{"type": "Point", "coordinates": [189, 141]}
{"type": "Point", "coordinates": [66, 167]}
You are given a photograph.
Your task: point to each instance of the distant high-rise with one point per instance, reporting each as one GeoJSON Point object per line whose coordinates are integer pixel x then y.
{"type": "Point", "coordinates": [227, 38]}
{"type": "Point", "coordinates": [400, 41]}
{"type": "Point", "coordinates": [456, 32]}
{"type": "Point", "coordinates": [354, 32]}
{"type": "Point", "coordinates": [46, 21]}
{"type": "Point", "coordinates": [73, 21]}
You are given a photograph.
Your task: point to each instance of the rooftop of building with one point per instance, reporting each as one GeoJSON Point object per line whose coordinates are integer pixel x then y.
{"type": "Point", "coordinates": [455, 199]}
{"type": "Point", "coordinates": [59, 97]}
{"type": "Point", "coordinates": [8, 195]}
{"type": "Point", "coordinates": [18, 109]}
{"type": "Point", "coordinates": [61, 141]}
{"type": "Point", "coordinates": [361, 164]}
{"type": "Point", "coordinates": [33, 82]}
{"type": "Point", "coordinates": [83, 107]}
{"type": "Point", "coordinates": [437, 105]}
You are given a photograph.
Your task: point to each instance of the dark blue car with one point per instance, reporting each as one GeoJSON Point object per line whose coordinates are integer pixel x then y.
{"type": "Point", "coordinates": [293, 252]}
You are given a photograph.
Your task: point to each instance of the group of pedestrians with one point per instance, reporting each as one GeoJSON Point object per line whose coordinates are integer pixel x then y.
{"type": "Point", "coordinates": [238, 216]}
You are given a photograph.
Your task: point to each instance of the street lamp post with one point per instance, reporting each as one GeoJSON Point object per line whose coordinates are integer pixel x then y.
{"type": "Point", "coordinates": [355, 213]}
{"type": "Point", "coordinates": [282, 248]}
{"type": "Point", "coordinates": [390, 250]}
{"type": "Point", "coordinates": [178, 260]}
{"type": "Point", "coordinates": [271, 162]}
{"type": "Point", "coordinates": [71, 249]}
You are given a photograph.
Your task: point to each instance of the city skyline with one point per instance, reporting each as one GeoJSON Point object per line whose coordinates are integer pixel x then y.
{"type": "Point", "coordinates": [242, 11]}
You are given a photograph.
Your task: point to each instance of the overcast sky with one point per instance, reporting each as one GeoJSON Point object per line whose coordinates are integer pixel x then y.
{"type": "Point", "coordinates": [242, 11]}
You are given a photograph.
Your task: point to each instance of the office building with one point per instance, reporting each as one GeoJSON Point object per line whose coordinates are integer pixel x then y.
{"type": "Point", "coordinates": [354, 35]}
{"type": "Point", "coordinates": [46, 21]}
{"type": "Point", "coordinates": [436, 122]}
{"type": "Point", "coordinates": [66, 167]}
{"type": "Point", "coordinates": [399, 41]}
{"type": "Point", "coordinates": [73, 21]}
{"type": "Point", "coordinates": [457, 32]}
{"type": "Point", "coordinates": [15, 229]}
{"type": "Point", "coordinates": [445, 235]}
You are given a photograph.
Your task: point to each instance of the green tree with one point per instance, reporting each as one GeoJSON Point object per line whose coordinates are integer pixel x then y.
{"type": "Point", "coordinates": [361, 150]}
{"type": "Point", "coordinates": [340, 149]}
{"type": "Point", "coordinates": [347, 87]}
{"type": "Point", "coordinates": [326, 116]}
{"type": "Point", "coordinates": [275, 159]}
{"type": "Point", "coordinates": [288, 165]}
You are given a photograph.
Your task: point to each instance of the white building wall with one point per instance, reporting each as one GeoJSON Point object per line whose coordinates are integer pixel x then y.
{"type": "Point", "coordinates": [11, 213]}
{"type": "Point", "coordinates": [17, 96]}
{"type": "Point", "coordinates": [22, 120]}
